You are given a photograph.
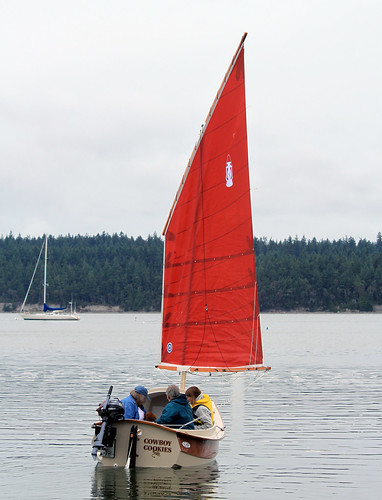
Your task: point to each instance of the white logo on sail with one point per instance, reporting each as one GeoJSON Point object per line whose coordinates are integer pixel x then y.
{"type": "Point", "coordinates": [228, 172]}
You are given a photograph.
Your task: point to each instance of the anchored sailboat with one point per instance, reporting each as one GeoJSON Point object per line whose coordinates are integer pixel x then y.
{"type": "Point", "coordinates": [210, 310]}
{"type": "Point", "coordinates": [49, 313]}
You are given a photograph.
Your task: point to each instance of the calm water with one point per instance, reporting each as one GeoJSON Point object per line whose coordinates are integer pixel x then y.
{"type": "Point", "coordinates": [312, 425]}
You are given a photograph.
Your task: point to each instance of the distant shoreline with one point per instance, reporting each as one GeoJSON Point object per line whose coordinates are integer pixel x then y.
{"type": "Point", "coordinates": [118, 310]}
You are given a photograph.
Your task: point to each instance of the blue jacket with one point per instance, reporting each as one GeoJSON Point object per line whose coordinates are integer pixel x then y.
{"type": "Point", "coordinates": [177, 412]}
{"type": "Point", "coordinates": [131, 408]}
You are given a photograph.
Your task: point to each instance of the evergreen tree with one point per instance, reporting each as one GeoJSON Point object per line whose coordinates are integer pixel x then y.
{"type": "Point", "coordinates": [117, 270]}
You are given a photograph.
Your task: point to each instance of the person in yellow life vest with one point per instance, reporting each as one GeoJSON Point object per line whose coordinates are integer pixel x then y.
{"type": "Point", "coordinates": [201, 408]}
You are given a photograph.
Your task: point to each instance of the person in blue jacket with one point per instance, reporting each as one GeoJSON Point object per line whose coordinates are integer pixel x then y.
{"type": "Point", "coordinates": [134, 403]}
{"type": "Point", "coordinates": [178, 411]}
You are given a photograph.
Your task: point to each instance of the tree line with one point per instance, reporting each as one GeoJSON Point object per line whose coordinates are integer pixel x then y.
{"type": "Point", "coordinates": [117, 270]}
{"type": "Point", "coordinates": [319, 275]}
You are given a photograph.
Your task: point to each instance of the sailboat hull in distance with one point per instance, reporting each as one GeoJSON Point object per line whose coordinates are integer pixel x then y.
{"type": "Point", "coordinates": [52, 316]}
{"type": "Point", "coordinates": [48, 313]}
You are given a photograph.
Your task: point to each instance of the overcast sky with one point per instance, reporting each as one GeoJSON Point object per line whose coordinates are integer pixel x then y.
{"type": "Point", "coordinates": [101, 103]}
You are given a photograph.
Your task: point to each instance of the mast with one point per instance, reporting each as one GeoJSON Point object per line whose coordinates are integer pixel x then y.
{"type": "Point", "coordinates": [31, 281]}
{"type": "Point", "coordinates": [182, 385]}
{"type": "Point", "coordinates": [45, 263]}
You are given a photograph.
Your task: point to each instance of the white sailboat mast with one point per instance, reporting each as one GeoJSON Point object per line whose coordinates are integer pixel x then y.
{"type": "Point", "coordinates": [45, 262]}
{"type": "Point", "coordinates": [31, 281]}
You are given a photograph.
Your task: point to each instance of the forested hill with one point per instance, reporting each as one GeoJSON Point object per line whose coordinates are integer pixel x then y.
{"type": "Point", "coordinates": [117, 270]}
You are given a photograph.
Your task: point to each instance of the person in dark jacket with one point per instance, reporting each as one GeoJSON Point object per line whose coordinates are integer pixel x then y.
{"type": "Point", "coordinates": [134, 403]}
{"type": "Point", "coordinates": [178, 411]}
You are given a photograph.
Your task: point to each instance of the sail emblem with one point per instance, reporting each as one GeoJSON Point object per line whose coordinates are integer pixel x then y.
{"type": "Point", "coordinates": [228, 172]}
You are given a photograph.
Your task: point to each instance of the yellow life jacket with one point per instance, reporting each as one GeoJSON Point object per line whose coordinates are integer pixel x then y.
{"type": "Point", "coordinates": [205, 401]}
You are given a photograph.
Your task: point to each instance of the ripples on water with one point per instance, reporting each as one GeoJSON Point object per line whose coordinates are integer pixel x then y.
{"type": "Point", "coordinates": [312, 424]}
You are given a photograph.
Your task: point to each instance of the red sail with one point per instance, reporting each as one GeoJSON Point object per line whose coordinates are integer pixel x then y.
{"type": "Point", "coordinates": [210, 304]}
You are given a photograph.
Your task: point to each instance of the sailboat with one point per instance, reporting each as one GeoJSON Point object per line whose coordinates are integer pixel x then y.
{"type": "Point", "coordinates": [48, 313]}
{"type": "Point", "coordinates": [210, 310]}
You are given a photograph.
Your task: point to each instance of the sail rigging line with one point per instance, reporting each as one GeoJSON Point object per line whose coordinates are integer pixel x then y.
{"type": "Point", "coordinates": [207, 317]}
{"type": "Point", "coordinates": [34, 272]}
{"type": "Point", "coordinates": [227, 401]}
{"type": "Point", "coordinates": [234, 375]}
{"type": "Point", "coordinates": [254, 319]}
{"type": "Point", "coordinates": [257, 319]}
{"type": "Point", "coordinates": [192, 261]}
{"type": "Point", "coordinates": [201, 201]}
{"type": "Point", "coordinates": [159, 341]}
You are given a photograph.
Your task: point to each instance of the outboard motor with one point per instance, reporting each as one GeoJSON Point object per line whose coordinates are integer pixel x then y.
{"type": "Point", "coordinates": [110, 411]}
{"type": "Point", "coordinates": [114, 410]}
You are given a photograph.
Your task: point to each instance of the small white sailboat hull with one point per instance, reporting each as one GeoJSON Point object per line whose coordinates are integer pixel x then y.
{"type": "Point", "coordinates": [49, 316]}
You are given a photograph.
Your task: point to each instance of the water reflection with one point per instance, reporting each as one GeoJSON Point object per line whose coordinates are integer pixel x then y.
{"type": "Point", "coordinates": [195, 483]}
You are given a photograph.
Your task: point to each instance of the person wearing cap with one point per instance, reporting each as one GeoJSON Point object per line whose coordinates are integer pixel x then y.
{"type": "Point", "coordinates": [133, 403]}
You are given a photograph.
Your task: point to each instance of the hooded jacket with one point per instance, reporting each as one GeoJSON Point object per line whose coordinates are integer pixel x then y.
{"type": "Point", "coordinates": [177, 412]}
{"type": "Point", "coordinates": [203, 411]}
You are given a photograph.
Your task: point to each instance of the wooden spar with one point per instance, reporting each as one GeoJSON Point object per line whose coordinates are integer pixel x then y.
{"type": "Point", "coordinates": [175, 368]}
{"type": "Point", "coordinates": [182, 386]}
{"type": "Point", "coordinates": [204, 128]}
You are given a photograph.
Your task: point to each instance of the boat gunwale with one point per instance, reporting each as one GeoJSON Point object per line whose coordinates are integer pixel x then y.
{"type": "Point", "coordinates": [192, 433]}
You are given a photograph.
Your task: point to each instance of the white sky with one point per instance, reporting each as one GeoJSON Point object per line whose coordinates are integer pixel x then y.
{"type": "Point", "coordinates": [101, 102]}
